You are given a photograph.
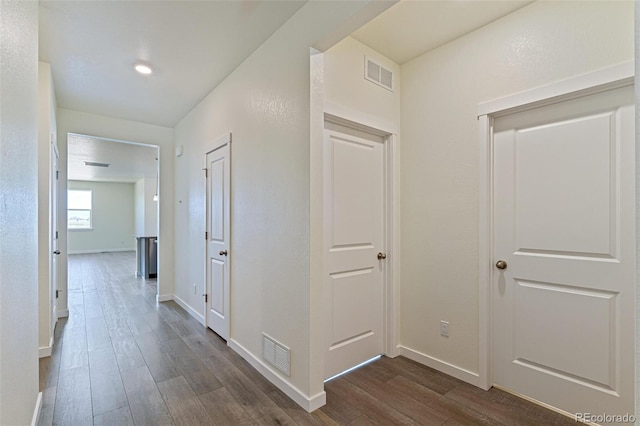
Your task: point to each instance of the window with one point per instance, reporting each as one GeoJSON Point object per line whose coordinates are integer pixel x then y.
{"type": "Point", "coordinates": [79, 204]}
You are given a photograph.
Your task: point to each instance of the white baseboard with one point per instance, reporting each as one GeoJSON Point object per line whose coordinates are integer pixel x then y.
{"type": "Point", "coordinates": [442, 366]}
{"type": "Point", "coordinates": [63, 314]}
{"type": "Point", "coordinates": [308, 403]}
{"type": "Point", "coordinates": [184, 305]}
{"type": "Point", "coordinates": [36, 410]}
{"type": "Point", "coordinates": [95, 251]}
{"type": "Point", "coordinates": [545, 405]}
{"type": "Point", "coordinates": [44, 351]}
{"type": "Point", "coordinates": [163, 297]}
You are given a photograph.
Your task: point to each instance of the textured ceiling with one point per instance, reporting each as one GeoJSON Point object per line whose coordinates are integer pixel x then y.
{"type": "Point", "coordinates": [192, 46]}
{"type": "Point", "coordinates": [411, 28]}
{"type": "Point", "coordinates": [127, 162]}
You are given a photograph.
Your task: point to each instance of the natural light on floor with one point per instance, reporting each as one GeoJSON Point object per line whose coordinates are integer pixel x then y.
{"type": "Point", "coordinates": [362, 364]}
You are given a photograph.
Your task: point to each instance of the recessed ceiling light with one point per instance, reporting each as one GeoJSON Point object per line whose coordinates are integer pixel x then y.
{"type": "Point", "coordinates": [143, 69]}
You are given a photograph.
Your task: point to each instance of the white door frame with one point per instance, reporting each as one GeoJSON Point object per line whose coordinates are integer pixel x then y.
{"type": "Point", "coordinates": [217, 144]}
{"type": "Point", "coordinates": [391, 299]}
{"type": "Point", "coordinates": [54, 233]}
{"type": "Point", "coordinates": [590, 83]}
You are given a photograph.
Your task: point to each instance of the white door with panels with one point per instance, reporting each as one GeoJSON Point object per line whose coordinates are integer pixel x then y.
{"type": "Point", "coordinates": [354, 203]}
{"type": "Point", "coordinates": [564, 253]}
{"type": "Point", "coordinates": [218, 175]}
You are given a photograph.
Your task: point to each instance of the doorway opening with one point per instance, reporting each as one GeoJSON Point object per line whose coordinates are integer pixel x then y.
{"type": "Point", "coordinates": [112, 200]}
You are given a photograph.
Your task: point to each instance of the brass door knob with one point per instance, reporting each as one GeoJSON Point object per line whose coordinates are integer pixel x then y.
{"type": "Point", "coordinates": [382, 256]}
{"type": "Point", "coordinates": [501, 264]}
{"type": "Point", "coordinates": [223, 253]}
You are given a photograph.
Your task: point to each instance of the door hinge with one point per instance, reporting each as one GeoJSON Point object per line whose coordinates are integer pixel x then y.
{"type": "Point", "coordinates": [206, 298]}
{"type": "Point", "coordinates": [205, 172]}
{"type": "Point", "coordinates": [206, 235]}
{"type": "Point", "coordinates": [56, 235]}
{"type": "Point", "coordinates": [57, 293]}
{"type": "Point", "coordinates": [57, 174]}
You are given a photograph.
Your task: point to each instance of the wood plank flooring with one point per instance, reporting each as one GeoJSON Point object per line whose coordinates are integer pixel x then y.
{"type": "Point", "coordinates": [122, 359]}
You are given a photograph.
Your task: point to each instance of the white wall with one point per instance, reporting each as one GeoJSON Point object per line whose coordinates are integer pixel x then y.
{"type": "Point", "coordinates": [637, 96]}
{"type": "Point", "coordinates": [112, 128]}
{"type": "Point", "coordinates": [150, 208]}
{"type": "Point", "coordinates": [112, 219]}
{"type": "Point", "coordinates": [46, 138]}
{"type": "Point", "coordinates": [265, 104]}
{"type": "Point", "coordinates": [146, 210]}
{"type": "Point", "coordinates": [541, 43]}
{"type": "Point", "coordinates": [18, 212]}
{"type": "Point", "coordinates": [138, 207]}
{"type": "Point", "coordinates": [349, 95]}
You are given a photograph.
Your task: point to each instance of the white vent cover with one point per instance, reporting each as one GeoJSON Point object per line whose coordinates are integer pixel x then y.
{"type": "Point", "coordinates": [276, 354]}
{"type": "Point", "coordinates": [376, 73]}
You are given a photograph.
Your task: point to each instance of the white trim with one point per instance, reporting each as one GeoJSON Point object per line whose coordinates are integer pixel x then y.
{"type": "Point", "coordinates": [308, 403]}
{"type": "Point", "coordinates": [97, 251]}
{"type": "Point", "coordinates": [45, 351]}
{"type": "Point", "coordinates": [485, 253]}
{"type": "Point", "coordinates": [164, 297]}
{"type": "Point", "coordinates": [542, 404]}
{"type": "Point", "coordinates": [36, 410]}
{"type": "Point", "coordinates": [577, 86]}
{"type": "Point", "coordinates": [184, 305]}
{"type": "Point", "coordinates": [63, 313]}
{"type": "Point", "coordinates": [392, 243]}
{"type": "Point", "coordinates": [582, 85]}
{"type": "Point", "coordinates": [359, 118]}
{"type": "Point", "coordinates": [437, 364]}
{"type": "Point", "coordinates": [219, 143]}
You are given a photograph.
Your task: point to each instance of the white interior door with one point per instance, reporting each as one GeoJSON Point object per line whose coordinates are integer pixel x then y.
{"type": "Point", "coordinates": [564, 224]}
{"type": "Point", "coordinates": [217, 236]}
{"type": "Point", "coordinates": [53, 292]}
{"type": "Point", "coordinates": [353, 238]}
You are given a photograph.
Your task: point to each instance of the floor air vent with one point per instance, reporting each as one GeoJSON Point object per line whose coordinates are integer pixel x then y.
{"type": "Point", "coordinates": [378, 74]}
{"type": "Point", "coordinates": [276, 354]}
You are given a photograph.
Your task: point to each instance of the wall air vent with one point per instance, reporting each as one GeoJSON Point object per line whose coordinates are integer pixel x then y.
{"type": "Point", "coordinates": [276, 354]}
{"type": "Point", "coordinates": [376, 73]}
{"type": "Point", "coordinates": [94, 164]}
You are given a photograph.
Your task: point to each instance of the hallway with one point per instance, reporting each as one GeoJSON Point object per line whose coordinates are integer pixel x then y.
{"type": "Point", "coordinates": [122, 359]}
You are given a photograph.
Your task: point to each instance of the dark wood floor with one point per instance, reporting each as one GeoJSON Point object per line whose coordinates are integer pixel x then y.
{"type": "Point", "coordinates": [122, 359]}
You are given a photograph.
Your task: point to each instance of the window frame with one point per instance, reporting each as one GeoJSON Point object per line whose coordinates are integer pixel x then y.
{"type": "Point", "coordinates": [89, 210]}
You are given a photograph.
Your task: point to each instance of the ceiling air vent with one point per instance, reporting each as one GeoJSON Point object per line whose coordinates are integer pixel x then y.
{"type": "Point", "coordinates": [377, 74]}
{"type": "Point", "coordinates": [94, 164]}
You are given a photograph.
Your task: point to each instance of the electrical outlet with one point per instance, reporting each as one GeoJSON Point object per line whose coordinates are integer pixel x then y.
{"type": "Point", "coordinates": [444, 328]}
{"type": "Point", "coordinates": [195, 288]}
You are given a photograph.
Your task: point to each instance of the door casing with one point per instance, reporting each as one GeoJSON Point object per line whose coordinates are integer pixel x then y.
{"type": "Point", "coordinates": [594, 82]}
